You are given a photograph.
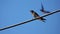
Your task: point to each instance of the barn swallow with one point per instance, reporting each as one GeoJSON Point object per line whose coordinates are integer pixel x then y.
{"type": "Point", "coordinates": [43, 10]}
{"type": "Point", "coordinates": [37, 16]}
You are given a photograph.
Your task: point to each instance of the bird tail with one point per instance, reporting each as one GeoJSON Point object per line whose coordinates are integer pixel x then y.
{"type": "Point", "coordinates": [42, 20]}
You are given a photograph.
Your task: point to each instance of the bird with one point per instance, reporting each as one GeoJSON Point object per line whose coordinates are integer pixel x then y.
{"type": "Point", "coordinates": [43, 10]}
{"type": "Point", "coordinates": [37, 16]}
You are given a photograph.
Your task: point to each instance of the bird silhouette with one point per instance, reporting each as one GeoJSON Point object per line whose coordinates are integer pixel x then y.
{"type": "Point", "coordinates": [43, 10]}
{"type": "Point", "coordinates": [37, 16]}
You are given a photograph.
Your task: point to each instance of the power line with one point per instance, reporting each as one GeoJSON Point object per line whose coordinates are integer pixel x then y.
{"type": "Point", "coordinates": [28, 21]}
{"type": "Point", "coordinates": [17, 24]}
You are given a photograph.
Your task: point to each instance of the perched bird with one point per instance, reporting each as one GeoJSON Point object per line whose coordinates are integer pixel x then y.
{"type": "Point", "coordinates": [37, 16]}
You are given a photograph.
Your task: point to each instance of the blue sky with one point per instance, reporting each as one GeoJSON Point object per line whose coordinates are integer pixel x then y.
{"type": "Point", "coordinates": [16, 11]}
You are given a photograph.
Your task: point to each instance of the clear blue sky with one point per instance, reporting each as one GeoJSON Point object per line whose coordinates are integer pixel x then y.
{"type": "Point", "coordinates": [16, 11]}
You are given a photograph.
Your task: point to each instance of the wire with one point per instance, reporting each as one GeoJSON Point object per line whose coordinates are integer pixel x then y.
{"type": "Point", "coordinates": [28, 21]}
{"type": "Point", "coordinates": [17, 24]}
